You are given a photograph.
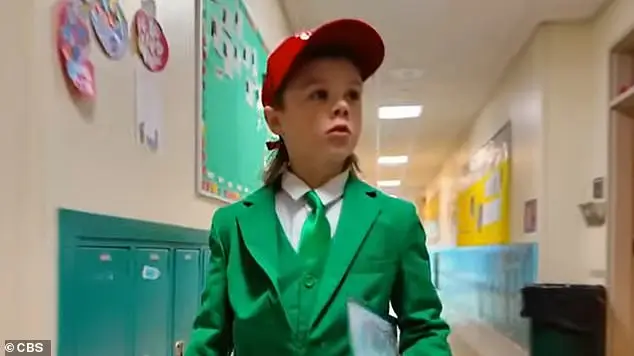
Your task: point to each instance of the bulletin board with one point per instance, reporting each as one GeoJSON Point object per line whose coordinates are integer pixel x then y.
{"type": "Point", "coordinates": [231, 129]}
{"type": "Point", "coordinates": [483, 198]}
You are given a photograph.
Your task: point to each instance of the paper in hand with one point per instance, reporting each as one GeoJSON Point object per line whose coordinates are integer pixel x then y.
{"type": "Point", "coordinates": [370, 334]}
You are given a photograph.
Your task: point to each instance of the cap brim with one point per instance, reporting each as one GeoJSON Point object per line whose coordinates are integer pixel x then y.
{"type": "Point", "coordinates": [353, 36]}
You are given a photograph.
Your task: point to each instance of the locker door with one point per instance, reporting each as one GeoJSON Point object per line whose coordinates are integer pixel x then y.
{"type": "Point", "coordinates": [152, 280]}
{"type": "Point", "coordinates": [102, 324]}
{"type": "Point", "coordinates": [187, 267]}
{"type": "Point", "coordinates": [206, 256]}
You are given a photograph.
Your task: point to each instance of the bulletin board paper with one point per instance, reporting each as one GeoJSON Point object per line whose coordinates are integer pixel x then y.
{"type": "Point", "coordinates": [149, 107]}
{"type": "Point", "coordinates": [231, 131]}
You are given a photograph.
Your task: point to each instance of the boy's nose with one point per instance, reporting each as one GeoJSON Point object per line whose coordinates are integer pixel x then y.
{"type": "Point", "coordinates": [341, 109]}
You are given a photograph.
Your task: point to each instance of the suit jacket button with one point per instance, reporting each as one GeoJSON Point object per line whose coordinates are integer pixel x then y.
{"type": "Point", "coordinates": [309, 281]}
{"type": "Point", "coordinates": [300, 347]}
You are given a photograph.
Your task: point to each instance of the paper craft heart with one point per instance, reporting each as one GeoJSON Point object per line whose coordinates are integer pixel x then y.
{"type": "Point", "coordinates": [73, 45]}
{"type": "Point", "coordinates": [151, 42]}
{"type": "Point", "coordinates": [111, 27]}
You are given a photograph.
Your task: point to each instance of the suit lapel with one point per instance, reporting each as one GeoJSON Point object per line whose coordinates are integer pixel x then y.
{"type": "Point", "coordinates": [258, 227]}
{"type": "Point", "coordinates": [359, 211]}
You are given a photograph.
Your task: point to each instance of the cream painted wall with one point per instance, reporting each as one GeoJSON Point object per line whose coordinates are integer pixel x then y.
{"type": "Point", "coordinates": [556, 95]}
{"type": "Point", "coordinates": [567, 128]}
{"type": "Point", "coordinates": [14, 19]}
{"type": "Point", "coordinates": [62, 156]}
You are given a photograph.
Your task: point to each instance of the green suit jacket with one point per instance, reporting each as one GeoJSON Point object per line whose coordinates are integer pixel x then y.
{"type": "Point", "coordinates": [378, 256]}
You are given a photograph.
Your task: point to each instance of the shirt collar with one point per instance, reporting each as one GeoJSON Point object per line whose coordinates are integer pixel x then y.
{"type": "Point", "coordinates": [328, 193]}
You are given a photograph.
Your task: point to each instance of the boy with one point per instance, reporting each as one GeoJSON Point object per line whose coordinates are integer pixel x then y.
{"type": "Point", "coordinates": [285, 260]}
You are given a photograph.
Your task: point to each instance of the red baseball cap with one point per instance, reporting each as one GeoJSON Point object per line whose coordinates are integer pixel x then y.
{"type": "Point", "coordinates": [356, 37]}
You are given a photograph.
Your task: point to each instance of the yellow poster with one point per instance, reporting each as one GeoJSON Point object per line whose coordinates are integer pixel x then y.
{"type": "Point", "coordinates": [431, 208]}
{"type": "Point", "coordinates": [482, 203]}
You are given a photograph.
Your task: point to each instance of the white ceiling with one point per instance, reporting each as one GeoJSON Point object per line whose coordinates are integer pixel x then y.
{"type": "Point", "coordinates": [447, 55]}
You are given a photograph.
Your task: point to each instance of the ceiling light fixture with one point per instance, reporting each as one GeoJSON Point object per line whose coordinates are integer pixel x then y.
{"type": "Point", "coordinates": [399, 112]}
{"type": "Point", "coordinates": [406, 74]}
{"type": "Point", "coordinates": [388, 183]}
{"type": "Point", "coordinates": [392, 160]}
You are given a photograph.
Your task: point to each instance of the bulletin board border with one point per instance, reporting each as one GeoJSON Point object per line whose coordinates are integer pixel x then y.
{"type": "Point", "coordinates": [200, 179]}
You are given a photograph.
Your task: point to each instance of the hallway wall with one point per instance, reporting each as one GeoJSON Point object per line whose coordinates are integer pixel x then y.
{"type": "Point", "coordinates": [90, 161]}
{"type": "Point", "coordinates": [555, 94]}
{"type": "Point", "coordinates": [517, 99]}
{"type": "Point", "coordinates": [567, 179]}
{"type": "Point", "coordinates": [14, 190]}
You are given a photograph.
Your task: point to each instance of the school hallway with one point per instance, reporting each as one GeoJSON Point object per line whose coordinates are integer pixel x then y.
{"type": "Point", "coordinates": [509, 124]}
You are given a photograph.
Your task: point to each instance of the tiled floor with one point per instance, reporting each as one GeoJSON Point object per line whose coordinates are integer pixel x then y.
{"type": "Point", "coordinates": [477, 340]}
{"type": "Point", "coordinates": [460, 348]}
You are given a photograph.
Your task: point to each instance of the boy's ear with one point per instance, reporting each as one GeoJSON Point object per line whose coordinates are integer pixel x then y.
{"type": "Point", "coordinates": [272, 117]}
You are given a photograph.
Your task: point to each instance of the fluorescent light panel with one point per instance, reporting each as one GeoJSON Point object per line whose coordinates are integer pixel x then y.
{"type": "Point", "coordinates": [399, 112]}
{"type": "Point", "coordinates": [388, 183]}
{"type": "Point", "coordinates": [393, 160]}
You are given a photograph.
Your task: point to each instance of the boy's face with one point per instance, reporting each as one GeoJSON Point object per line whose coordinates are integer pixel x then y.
{"type": "Point", "coordinates": [321, 116]}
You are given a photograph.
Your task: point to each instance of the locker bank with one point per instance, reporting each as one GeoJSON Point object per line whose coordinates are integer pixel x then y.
{"type": "Point", "coordinates": [127, 287]}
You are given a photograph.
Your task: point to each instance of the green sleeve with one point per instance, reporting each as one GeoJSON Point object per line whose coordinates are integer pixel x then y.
{"type": "Point", "coordinates": [213, 324]}
{"type": "Point", "coordinates": [414, 297]}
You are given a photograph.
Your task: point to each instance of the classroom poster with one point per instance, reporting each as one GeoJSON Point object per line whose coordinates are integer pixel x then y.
{"type": "Point", "coordinates": [482, 194]}
{"type": "Point", "coordinates": [232, 131]}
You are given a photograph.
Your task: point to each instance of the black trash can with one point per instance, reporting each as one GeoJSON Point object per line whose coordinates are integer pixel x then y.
{"type": "Point", "coordinates": [566, 320]}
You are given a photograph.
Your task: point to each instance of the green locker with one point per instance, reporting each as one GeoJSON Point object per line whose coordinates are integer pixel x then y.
{"type": "Point", "coordinates": [126, 287]}
{"type": "Point", "coordinates": [206, 256]}
{"type": "Point", "coordinates": [102, 302]}
{"type": "Point", "coordinates": [187, 275]}
{"type": "Point", "coordinates": [152, 278]}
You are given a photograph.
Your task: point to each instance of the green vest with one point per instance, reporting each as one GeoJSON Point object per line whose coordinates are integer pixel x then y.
{"type": "Point", "coordinates": [298, 285]}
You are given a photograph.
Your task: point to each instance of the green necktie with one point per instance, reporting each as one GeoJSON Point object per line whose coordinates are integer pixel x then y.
{"type": "Point", "coordinates": [315, 238]}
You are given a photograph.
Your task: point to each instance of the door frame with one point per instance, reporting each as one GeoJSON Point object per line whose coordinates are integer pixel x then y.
{"type": "Point", "coordinates": [620, 234]}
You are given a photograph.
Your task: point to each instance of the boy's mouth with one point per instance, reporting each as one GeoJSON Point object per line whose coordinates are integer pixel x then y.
{"type": "Point", "coordinates": [339, 129]}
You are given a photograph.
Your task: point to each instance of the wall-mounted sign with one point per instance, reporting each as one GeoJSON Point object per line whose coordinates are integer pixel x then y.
{"type": "Point", "coordinates": [151, 42]}
{"type": "Point", "coordinates": [111, 27]}
{"type": "Point", "coordinates": [73, 46]}
{"type": "Point", "coordinates": [530, 216]}
{"type": "Point", "coordinates": [597, 188]}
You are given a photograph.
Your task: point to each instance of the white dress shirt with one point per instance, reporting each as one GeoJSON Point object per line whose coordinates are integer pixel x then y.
{"type": "Point", "coordinates": [292, 209]}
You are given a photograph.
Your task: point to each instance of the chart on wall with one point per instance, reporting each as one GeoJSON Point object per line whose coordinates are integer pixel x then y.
{"type": "Point", "coordinates": [232, 131]}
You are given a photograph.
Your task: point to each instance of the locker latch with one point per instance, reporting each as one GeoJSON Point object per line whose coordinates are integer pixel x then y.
{"type": "Point", "coordinates": [179, 348]}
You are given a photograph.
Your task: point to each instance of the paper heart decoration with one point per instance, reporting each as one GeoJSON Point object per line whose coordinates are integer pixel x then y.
{"type": "Point", "coordinates": [151, 42]}
{"type": "Point", "coordinates": [73, 46]}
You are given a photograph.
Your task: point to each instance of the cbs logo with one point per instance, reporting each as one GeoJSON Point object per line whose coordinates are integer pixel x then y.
{"type": "Point", "coordinates": [22, 347]}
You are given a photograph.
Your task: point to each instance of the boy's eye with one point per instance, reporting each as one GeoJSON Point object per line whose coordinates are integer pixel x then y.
{"type": "Point", "coordinates": [354, 95]}
{"type": "Point", "coordinates": [320, 94]}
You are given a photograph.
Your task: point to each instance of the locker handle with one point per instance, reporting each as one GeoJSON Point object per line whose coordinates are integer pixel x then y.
{"type": "Point", "coordinates": [179, 348]}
